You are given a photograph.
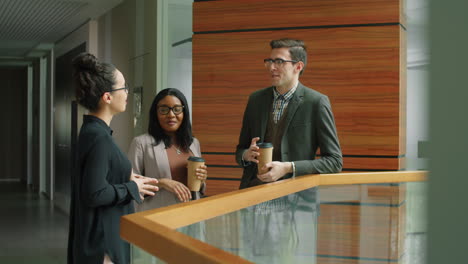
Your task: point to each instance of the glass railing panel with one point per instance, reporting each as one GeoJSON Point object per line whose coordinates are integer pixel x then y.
{"type": "Point", "coordinates": [372, 223]}
{"type": "Point", "coordinates": [362, 223]}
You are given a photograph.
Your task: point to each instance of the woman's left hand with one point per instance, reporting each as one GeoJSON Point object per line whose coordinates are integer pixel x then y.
{"type": "Point", "coordinates": [202, 173]}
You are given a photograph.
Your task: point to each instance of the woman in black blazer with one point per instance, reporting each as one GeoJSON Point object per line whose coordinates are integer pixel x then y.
{"type": "Point", "coordinates": [103, 185]}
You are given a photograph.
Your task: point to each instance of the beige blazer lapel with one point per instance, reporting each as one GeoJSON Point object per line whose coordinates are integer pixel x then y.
{"type": "Point", "coordinates": [195, 149]}
{"type": "Point", "coordinates": [162, 161]}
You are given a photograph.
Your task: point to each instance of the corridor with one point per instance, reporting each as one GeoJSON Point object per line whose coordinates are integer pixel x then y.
{"type": "Point", "coordinates": [31, 231]}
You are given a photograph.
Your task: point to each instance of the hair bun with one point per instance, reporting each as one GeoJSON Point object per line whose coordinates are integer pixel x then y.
{"type": "Point", "coordinates": [86, 62]}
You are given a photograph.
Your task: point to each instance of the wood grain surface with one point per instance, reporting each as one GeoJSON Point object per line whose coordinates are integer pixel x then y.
{"type": "Point", "coordinates": [357, 68]}
{"type": "Point", "coordinates": [356, 56]}
{"type": "Point", "coordinates": [260, 14]}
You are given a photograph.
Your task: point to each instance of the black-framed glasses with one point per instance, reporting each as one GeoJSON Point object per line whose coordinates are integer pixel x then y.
{"type": "Point", "coordinates": [126, 88]}
{"type": "Point", "coordinates": [164, 110]}
{"type": "Point", "coordinates": [278, 62]}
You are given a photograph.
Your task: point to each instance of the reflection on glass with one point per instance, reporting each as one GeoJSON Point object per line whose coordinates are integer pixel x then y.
{"type": "Point", "coordinates": [137, 103]}
{"type": "Point", "coordinates": [282, 230]}
{"type": "Point", "coordinates": [139, 256]}
{"type": "Point", "coordinates": [367, 223]}
{"type": "Point", "coordinates": [377, 223]}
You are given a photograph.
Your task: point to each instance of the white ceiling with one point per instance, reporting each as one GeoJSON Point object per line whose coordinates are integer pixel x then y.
{"type": "Point", "coordinates": [27, 26]}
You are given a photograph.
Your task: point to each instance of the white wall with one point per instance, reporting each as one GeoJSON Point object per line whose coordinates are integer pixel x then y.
{"type": "Point", "coordinates": [417, 117]}
{"type": "Point", "coordinates": [100, 41]}
{"type": "Point", "coordinates": [86, 33]}
{"type": "Point", "coordinates": [180, 70]}
{"type": "Point", "coordinates": [121, 39]}
{"type": "Point", "coordinates": [177, 47]}
{"type": "Point", "coordinates": [417, 84]}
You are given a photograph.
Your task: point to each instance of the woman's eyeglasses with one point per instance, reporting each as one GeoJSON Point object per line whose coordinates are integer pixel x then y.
{"type": "Point", "coordinates": [126, 88]}
{"type": "Point", "coordinates": [164, 110]}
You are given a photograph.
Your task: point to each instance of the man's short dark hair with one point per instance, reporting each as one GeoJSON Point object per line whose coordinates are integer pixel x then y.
{"type": "Point", "coordinates": [297, 49]}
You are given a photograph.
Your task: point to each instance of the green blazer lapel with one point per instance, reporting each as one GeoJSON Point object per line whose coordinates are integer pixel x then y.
{"type": "Point", "coordinates": [264, 109]}
{"type": "Point", "coordinates": [293, 105]}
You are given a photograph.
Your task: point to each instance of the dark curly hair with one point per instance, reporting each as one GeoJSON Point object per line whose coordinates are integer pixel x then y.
{"type": "Point", "coordinates": [92, 79]}
{"type": "Point", "coordinates": [297, 49]}
{"type": "Point", "coordinates": [184, 135]}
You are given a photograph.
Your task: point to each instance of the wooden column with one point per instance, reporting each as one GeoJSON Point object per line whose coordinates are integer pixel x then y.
{"type": "Point", "coordinates": [356, 56]}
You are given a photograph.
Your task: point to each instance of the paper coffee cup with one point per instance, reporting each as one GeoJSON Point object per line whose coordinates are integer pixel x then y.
{"type": "Point", "coordinates": [266, 154]}
{"type": "Point", "coordinates": [193, 182]}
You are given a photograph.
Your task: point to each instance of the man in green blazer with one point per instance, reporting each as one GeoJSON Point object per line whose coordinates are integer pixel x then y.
{"type": "Point", "coordinates": [295, 119]}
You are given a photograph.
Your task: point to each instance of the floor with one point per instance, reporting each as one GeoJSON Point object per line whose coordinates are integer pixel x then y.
{"type": "Point", "coordinates": [31, 231]}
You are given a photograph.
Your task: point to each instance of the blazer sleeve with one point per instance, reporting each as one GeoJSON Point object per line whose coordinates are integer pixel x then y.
{"type": "Point", "coordinates": [245, 136]}
{"type": "Point", "coordinates": [95, 189]}
{"type": "Point", "coordinates": [135, 155]}
{"type": "Point", "coordinates": [331, 160]}
{"type": "Point", "coordinates": [196, 144]}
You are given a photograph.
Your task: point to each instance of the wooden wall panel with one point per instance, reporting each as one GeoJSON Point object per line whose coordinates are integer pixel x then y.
{"type": "Point", "coordinates": [357, 56]}
{"type": "Point", "coordinates": [372, 194]}
{"type": "Point", "coordinates": [217, 172]}
{"type": "Point", "coordinates": [340, 228]}
{"type": "Point", "coordinates": [358, 68]}
{"type": "Point", "coordinates": [220, 159]}
{"type": "Point", "coordinates": [403, 83]}
{"type": "Point", "coordinates": [350, 163]}
{"type": "Point", "coordinates": [345, 213]}
{"type": "Point", "coordinates": [222, 168]}
{"type": "Point", "coordinates": [221, 179]}
{"type": "Point", "coordinates": [373, 163]}
{"type": "Point", "coordinates": [220, 186]}
{"type": "Point", "coordinates": [261, 14]}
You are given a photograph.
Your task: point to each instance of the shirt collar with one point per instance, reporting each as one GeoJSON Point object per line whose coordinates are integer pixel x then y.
{"type": "Point", "coordinates": [287, 96]}
{"type": "Point", "coordinates": [94, 119]}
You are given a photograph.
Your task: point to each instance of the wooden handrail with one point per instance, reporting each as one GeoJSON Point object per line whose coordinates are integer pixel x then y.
{"type": "Point", "coordinates": [154, 230]}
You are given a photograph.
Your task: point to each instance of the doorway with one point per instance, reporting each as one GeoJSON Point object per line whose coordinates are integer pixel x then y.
{"type": "Point", "coordinates": [65, 127]}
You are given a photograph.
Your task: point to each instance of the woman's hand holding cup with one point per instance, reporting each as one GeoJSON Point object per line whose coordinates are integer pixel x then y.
{"type": "Point", "coordinates": [202, 173]}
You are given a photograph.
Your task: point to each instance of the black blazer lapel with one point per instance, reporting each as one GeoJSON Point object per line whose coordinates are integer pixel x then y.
{"type": "Point", "coordinates": [264, 109]}
{"type": "Point", "coordinates": [293, 105]}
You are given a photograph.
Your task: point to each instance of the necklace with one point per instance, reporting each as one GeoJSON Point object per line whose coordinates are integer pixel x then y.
{"type": "Point", "coordinates": [178, 151]}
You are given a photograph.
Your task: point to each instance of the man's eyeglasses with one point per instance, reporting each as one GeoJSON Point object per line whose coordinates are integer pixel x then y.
{"type": "Point", "coordinates": [164, 110]}
{"type": "Point", "coordinates": [278, 62]}
{"type": "Point", "coordinates": [126, 88]}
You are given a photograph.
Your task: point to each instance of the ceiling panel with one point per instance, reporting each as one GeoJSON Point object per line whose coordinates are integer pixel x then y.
{"type": "Point", "coordinates": [34, 20]}
{"type": "Point", "coordinates": [25, 24]}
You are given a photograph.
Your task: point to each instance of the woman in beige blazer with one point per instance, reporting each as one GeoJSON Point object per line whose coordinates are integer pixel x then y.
{"type": "Point", "coordinates": [162, 152]}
